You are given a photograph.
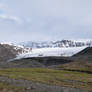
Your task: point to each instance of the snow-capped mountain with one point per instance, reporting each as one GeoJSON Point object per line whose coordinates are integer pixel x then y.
{"type": "Point", "coordinates": [42, 49]}
{"type": "Point", "coordinates": [53, 44]}
{"type": "Point", "coordinates": [19, 49]}
{"type": "Point", "coordinates": [56, 48]}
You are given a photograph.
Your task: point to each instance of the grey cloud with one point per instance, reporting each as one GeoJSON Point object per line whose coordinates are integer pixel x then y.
{"type": "Point", "coordinates": [11, 19]}
{"type": "Point", "coordinates": [47, 19]}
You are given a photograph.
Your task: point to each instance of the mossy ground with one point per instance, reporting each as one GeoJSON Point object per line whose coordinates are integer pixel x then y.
{"type": "Point", "coordinates": [5, 87]}
{"type": "Point", "coordinates": [51, 76]}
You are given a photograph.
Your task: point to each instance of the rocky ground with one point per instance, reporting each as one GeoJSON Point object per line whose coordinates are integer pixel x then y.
{"type": "Point", "coordinates": [37, 87]}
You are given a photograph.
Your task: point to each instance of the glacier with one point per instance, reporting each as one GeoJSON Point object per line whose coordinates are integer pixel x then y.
{"type": "Point", "coordinates": [44, 52]}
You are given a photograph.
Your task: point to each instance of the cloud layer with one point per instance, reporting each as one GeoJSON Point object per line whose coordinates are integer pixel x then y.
{"type": "Point", "coordinates": [41, 20]}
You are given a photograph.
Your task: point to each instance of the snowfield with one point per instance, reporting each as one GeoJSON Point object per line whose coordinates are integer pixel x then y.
{"type": "Point", "coordinates": [43, 52]}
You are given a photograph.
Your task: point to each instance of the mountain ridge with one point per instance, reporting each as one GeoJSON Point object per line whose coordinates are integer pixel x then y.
{"type": "Point", "coordinates": [62, 43]}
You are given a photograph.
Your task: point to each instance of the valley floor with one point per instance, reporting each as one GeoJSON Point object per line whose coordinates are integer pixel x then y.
{"type": "Point", "coordinates": [44, 80]}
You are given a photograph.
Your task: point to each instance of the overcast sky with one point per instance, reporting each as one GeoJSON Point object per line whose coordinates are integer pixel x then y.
{"type": "Point", "coordinates": [45, 20]}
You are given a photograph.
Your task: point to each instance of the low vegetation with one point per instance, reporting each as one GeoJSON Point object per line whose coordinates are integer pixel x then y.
{"type": "Point", "coordinates": [5, 87]}
{"type": "Point", "coordinates": [81, 66]}
{"type": "Point", "coordinates": [51, 76]}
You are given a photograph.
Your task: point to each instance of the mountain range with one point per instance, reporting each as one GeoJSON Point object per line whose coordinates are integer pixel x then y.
{"type": "Point", "coordinates": [10, 51]}
{"type": "Point", "coordinates": [62, 43]}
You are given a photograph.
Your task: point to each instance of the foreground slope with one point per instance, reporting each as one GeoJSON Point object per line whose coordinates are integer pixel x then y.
{"type": "Point", "coordinates": [46, 80]}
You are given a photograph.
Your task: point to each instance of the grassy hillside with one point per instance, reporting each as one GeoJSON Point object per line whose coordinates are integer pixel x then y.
{"type": "Point", "coordinates": [82, 66]}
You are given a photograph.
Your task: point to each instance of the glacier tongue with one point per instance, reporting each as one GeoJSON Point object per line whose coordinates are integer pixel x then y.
{"type": "Point", "coordinates": [43, 52]}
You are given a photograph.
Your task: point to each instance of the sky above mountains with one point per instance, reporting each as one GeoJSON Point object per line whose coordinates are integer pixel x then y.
{"type": "Point", "coordinates": [45, 20]}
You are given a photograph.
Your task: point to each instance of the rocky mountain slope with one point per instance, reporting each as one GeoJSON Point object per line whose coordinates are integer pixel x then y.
{"type": "Point", "coordinates": [9, 51]}
{"type": "Point", "coordinates": [62, 43]}
{"type": "Point", "coordinates": [85, 54]}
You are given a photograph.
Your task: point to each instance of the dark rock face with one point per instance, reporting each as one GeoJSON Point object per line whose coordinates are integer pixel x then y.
{"type": "Point", "coordinates": [85, 54]}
